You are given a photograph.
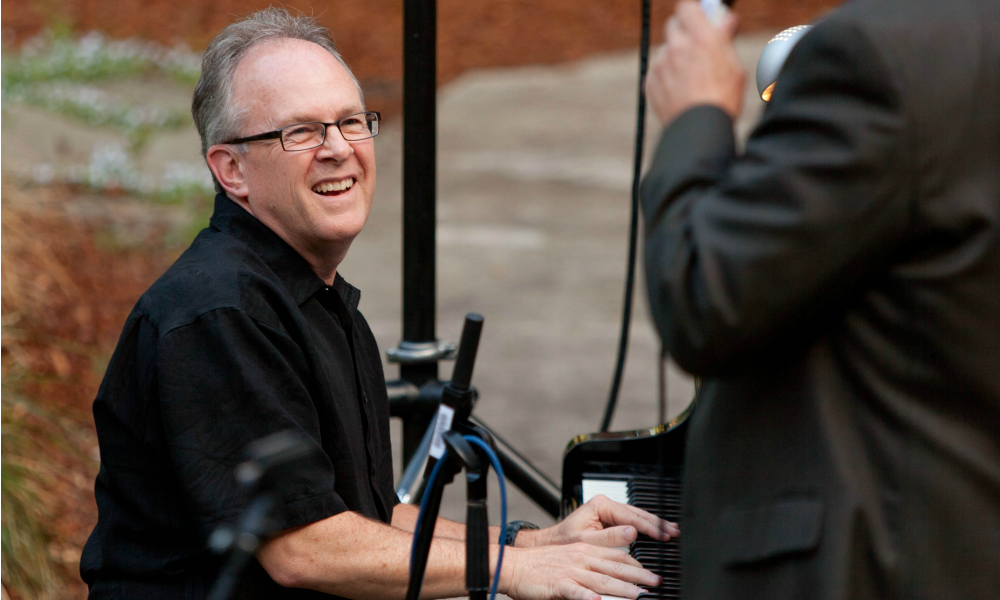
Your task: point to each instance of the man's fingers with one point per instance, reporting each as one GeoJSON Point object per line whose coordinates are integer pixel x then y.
{"type": "Point", "coordinates": [611, 537]}
{"type": "Point", "coordinates": [673, 32]}
{"type": "Point", "coordinates": [617, 579]}
{"type": "Point", "coordinates": [612, 555]}
{"type": "Point", "coordinates": [626, 572]}
{"type": "Point", "coordinates": [672, 529]}
{"type": "Point", "coordinates": [614, 513]}
{"type": "Point", "coordinates": [659, 57]}
{"type": "Point", "coordinates": [730, 23]}
{"type": "Point", "coordinates": [655, 527]}
{"type": "Point", "coordinates": [679, 43]}
{"type": "Point", "coordinates": [609, 586]}
{"type": "Point", "coordinates": [573, 591]}
{"type": "Point", "coordinates": [577, 572]}
{"type": "Point", "coordinates": [692, 19]}
{"type": "Point", "coordinates": [645, 522]}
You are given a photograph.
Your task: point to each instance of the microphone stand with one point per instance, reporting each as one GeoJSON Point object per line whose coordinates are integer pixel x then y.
{"type": "Point", "coordinates": [458, 398]}
{"type": "Point", "coordinates": [267, 457]}
{"type": "Point", "coordinates": [242, 544]}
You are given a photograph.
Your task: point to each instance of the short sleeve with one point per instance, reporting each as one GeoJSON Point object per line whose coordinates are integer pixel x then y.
{"type": "Point", "coordinates": [224, 381]}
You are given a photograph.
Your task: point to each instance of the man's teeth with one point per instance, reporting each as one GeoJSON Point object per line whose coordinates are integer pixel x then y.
{"type": "Point", "coordinates": [334, 186]}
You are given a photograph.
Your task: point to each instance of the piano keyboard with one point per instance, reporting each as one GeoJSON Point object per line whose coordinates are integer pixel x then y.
{"type": "Point", "coordinates": [660, 496]}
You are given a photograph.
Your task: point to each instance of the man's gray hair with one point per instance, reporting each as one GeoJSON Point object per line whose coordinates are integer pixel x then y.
{"type": "Point", "coordinates": [215, 115]}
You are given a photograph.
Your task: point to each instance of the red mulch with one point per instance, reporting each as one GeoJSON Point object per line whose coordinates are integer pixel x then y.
{"type": "Point", "coordinates": [66, 291]}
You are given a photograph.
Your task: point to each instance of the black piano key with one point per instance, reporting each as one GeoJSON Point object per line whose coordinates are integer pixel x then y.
{"type": "Point", "coordinates": [661, 496]}
{"type": "Point", "coordinates": [657, 558]}
{"type": "Point", "coordinates": [670, 564]}
{"type": "Point", "coordinates": [648, 556]}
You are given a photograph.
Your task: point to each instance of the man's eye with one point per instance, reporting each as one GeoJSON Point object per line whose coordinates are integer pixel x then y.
{"type": "Point", "coordinates": [300, 130]}
{"type": "Point", "coordinates": [354, 123]}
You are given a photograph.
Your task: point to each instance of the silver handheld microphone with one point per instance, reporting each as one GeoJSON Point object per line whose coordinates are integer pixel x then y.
{"type": "Point", "coordinates": [773, 58]}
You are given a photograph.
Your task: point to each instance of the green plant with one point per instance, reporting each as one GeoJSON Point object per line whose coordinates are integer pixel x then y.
{"type": "Point", "coordinates": [92, 57]}
{"type": "Point", "coordinates": [56, 72]}
{"type": "Point", "coordinates": [26, 564]}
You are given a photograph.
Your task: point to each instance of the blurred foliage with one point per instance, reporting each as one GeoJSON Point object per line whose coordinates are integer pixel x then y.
{"type": "Point", "coordinates": [26, 477]}
{"type": "Point", "coordinates": [43, 455]}
{"type": "Point", "coordinates": [55, 55]}
{"type": "Point", "coordinates": [96, 107]}
{"type": "Point", "coordinates": [56, 71]}
{"type": "Point", "coordinates": [62, 74]}
{"type": "Point", "coordinates": [64, 298]}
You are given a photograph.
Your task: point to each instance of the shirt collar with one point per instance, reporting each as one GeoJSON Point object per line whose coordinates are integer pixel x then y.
{"type": "Point", "coordinates": [293, 270]}
{"type": "Point", "coordinates": [347, 292]}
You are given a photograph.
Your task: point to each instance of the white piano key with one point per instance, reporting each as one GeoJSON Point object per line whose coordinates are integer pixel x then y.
{"type": "Point", "coordinates": [616, 490]}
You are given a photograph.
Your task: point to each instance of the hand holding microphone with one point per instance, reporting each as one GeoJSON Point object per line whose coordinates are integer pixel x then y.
{"type": "Point", "coordinates": [697, 63]}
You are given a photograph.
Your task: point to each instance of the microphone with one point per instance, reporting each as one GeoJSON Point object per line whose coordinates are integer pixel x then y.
{"type": "Point", "coordinates": [457, 392]}
{"type": "Point", "coordinates": [267, 459]}
{"type": "Point", "coordinates": [773, 58]}
{"type": "Point", "coordinates": [715, 10]}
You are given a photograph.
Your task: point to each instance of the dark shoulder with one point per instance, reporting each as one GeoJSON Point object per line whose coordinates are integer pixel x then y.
{"type": "Point", "coordinates": [848, 57]}
{"type": "Point", "coordinates": [915, 15]}
{"type": "Point", "coordinates": [218, 271]}
{"type": "Point", "coordinates": [918, 48]}
{"type": "Point", "coordinates": [918, 35]}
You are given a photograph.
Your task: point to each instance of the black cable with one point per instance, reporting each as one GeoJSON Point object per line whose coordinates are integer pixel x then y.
{"type": "Point", "coordinates": [633, 243]}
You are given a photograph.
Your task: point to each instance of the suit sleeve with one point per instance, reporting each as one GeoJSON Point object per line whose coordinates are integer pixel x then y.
{"type": "Point", "coordinates": [746, 254]}
{"type": "Point", "coordinates": [224, 381]}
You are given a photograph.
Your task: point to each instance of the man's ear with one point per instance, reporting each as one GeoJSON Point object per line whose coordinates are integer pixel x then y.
{"type": "Point", "coordinates": [225, 163]}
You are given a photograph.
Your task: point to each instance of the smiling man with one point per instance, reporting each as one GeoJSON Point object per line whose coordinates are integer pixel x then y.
{"type": "Point", "coordinates": [253, 331]}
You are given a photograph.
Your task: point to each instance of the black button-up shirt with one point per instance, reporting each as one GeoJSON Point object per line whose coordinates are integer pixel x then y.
{"type": "Point", "coordinates": [237, 340]}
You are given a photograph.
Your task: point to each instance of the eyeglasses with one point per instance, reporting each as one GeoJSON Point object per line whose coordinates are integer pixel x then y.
{"type": "Point", "coordinates": [304, 136]}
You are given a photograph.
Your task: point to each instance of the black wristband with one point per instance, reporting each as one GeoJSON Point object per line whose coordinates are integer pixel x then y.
{"type": "Point", "coordinates": [510, 533]}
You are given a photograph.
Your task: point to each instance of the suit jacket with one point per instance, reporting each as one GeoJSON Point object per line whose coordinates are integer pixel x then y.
{"type": "Point", "coordinates": [837, 288]}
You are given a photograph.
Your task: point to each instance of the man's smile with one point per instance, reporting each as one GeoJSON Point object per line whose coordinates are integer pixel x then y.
{"type": "Point", "coordinates": [333, 188]}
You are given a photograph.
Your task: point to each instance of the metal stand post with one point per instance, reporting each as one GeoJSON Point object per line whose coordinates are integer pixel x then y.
{"type": "Point", "coordinates": [416, 395]}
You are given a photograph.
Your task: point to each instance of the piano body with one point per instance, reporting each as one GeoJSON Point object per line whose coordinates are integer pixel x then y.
{"type": "Point", "coordinates": [644, 468]}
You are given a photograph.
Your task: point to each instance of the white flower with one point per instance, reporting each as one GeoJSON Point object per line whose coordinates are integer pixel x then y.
{"type": "Point", "coordinates": [111, 167]}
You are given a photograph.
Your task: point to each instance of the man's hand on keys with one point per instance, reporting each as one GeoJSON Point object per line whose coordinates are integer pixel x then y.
{"type": "Point", "coordinates": [601, 522]}
{"type": "Point", "coordinates": [575, 572]}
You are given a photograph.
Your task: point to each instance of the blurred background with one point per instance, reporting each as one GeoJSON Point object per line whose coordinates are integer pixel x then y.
{"type": "Point", "coordinates": [103, 187]}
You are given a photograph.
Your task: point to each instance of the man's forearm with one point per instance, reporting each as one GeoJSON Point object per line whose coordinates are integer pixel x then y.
{"type": "Point", "coordinates": [404, 516]}
{"type": "Point", "coordinates": [351, 556]}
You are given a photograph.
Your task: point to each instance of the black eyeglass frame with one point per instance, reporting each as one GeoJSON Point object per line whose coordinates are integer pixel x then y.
{"type": "Point", "coordinates": [276, 134]}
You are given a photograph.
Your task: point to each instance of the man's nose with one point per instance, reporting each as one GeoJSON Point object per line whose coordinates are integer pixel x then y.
{"type": "Point", "coordinates": [335, 146]}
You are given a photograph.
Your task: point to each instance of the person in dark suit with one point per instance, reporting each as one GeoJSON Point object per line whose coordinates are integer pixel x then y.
{"type": "Point", "coordinates": [836, 286]}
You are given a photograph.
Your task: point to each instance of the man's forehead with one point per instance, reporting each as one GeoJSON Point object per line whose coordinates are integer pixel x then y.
{"type": "Point", "coordinates": [288, 76]}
